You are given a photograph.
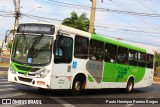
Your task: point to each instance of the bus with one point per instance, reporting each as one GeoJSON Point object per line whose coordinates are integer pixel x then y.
{"type": "Point", "coordinates": [54, 56]}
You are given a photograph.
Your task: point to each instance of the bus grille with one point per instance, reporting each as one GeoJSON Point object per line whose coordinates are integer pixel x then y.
{"type": "Point", "coordinates": [23, 68]}
{"type": "Point", "coordinates": [25, 79]}
{"type": "Point", "coordinates": [27, 74]}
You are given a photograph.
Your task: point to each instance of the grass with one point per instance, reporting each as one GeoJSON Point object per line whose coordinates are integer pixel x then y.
{"type": "Point", "coordinates": [3, 64]}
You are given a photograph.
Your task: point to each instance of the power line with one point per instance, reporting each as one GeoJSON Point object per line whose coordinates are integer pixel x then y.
{"type": "Point", "coordinates": [129, 40]}
{"type": "Point", "coordinates": [124, 7]}
{"type": "Point", "coordinates": [127, 30]}
{"type": "Point", "coordinates": [100, 9]}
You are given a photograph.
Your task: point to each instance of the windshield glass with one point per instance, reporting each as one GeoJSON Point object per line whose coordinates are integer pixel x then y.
{"type": "Point", "coordinates": [32, 49]}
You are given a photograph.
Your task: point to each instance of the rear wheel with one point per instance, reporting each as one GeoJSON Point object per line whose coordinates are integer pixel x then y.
{"type": "Point", "coordinates": [130, 85]}
{"type": "Point", "coordinates": [77, 86]}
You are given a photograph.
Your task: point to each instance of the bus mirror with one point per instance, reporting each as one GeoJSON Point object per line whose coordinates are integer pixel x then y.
{"type": "Point", "coordinates": [5, 40]}
{"type": "Point", "coordinates": [7, 34]}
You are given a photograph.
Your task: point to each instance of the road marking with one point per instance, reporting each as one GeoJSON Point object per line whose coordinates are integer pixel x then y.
{"type": "Point", "coordinates": [150, 97]}
{"type": "Point", "coordinates": [6, 105]}
{"type": "Point", "coordinates": [4, 82]}
{"type": "Point", "coordinates": [7, 89]}
{"type": "Point", "coordinates": [11, 95]}
{"type": "Point", "coordinates": [6, 85]}
{"type": "Point", "coordinates": [64, 103]}
{"type": "Point", "coordinates": [128, 105]}
{"type": "Point", "coordinates": [4, 79]}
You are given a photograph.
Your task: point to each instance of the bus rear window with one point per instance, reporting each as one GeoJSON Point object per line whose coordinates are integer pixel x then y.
{"type": "Point", "coordinates": [149, 61]}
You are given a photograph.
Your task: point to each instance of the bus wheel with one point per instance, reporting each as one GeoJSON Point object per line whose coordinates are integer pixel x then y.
{"type": "Point", "coordinates": [130, 85]}
{"type": "Point", "coordinates": [77, 86]}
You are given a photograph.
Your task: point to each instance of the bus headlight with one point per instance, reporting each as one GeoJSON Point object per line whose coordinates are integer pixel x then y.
{"type": "Point", "coordinates": [12, 70]}
{"type": "Point", "coordinates": [44, 73]}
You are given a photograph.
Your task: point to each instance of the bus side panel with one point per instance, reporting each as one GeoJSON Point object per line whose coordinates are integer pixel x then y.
{"type": "Point", "coordinates": [60, 76]}
{"type": "Point", "coordinates": [147, 79]}
{"type": "Point", "coordinates": [117, 75]}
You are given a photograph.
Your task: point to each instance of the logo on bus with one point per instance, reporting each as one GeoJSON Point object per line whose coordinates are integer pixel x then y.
{"type": "Point", "coordinates": [95, 69]}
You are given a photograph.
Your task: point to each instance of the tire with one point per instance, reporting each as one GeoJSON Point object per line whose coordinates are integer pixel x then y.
{"type": "Point", "coordinates": [130, 85]}
{"type": "Point", "coordinates": [41, 89]}
{"type": "Point", "coordinates": [77, 86]}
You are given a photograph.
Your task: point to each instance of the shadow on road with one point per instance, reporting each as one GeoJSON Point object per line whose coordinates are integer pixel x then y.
{"type": "Point", "coordinates": [93, 92]}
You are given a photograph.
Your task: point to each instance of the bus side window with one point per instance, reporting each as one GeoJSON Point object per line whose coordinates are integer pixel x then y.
{"type": "Point", "coordinates": [133, 58]}
{"type": "Point", "coordinates": [110, 53]}
{"type": "Point", "coordinates": [96, 51]}
{"type": "Point", "coordinates": [141, 59]}
{"type": "Point", "coordinates": [81, 47]}
{"type": "Point", "coordinates": [122, 57]}
{"type": "Point", "coordinates": [63, 49]}
{"type": "Point", "coordinates": [149, 61]}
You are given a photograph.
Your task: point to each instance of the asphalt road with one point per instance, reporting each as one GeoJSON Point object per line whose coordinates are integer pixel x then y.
{"type": "Point", "coordinates": [3, 68]}
{"type": "Point", "coordinates": [62, 98]}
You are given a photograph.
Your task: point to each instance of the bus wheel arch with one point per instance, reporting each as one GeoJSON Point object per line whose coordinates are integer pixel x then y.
{"type": "Point", "coordinates": [130, 84]}
{"type": "Point", "coordinates": [78, 84]}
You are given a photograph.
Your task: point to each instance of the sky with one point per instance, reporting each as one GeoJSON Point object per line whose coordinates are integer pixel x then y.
{"type": "Point", "coordinates": [129, 28]}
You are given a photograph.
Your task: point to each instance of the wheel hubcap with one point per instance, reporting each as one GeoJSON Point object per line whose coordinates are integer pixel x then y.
{"type": "Point", "coordinates": [77, 85]}
{"type": "Point", "coordinates": [130, 87]}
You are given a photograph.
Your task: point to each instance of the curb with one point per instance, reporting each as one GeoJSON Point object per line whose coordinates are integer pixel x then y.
{"type": "Point", "coordinates": [156, 82]}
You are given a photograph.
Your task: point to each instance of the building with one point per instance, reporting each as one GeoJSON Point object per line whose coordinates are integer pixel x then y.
{"type": "Point", "coordinates": [0, 43]}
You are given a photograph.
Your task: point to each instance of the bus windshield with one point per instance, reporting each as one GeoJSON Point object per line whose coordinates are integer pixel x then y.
{"type": "Point", "coordinates": [32, 49]}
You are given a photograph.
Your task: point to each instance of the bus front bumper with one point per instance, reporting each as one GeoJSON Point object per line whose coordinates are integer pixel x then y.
{"type": "Point", "coordinates": [29, 80]}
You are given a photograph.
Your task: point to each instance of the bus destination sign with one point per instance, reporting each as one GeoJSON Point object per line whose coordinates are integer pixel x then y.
{"type": "Point", "coordinates": [36, 28]}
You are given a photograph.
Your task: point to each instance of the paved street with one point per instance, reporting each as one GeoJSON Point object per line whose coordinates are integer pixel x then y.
{"type": "Point", "coordinates": [61, 98]}
{"type": "Point", "coordinates": [3, 68]}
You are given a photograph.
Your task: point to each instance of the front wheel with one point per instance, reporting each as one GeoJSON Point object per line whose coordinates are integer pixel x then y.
{"type": "Point", "coordinates": [77, 86]}
{"type": "Point", "coordinates": [130, 85]}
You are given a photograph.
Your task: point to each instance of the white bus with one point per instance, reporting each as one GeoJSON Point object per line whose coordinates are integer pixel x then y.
{"type": "Point", "coordinates": [53, 56]}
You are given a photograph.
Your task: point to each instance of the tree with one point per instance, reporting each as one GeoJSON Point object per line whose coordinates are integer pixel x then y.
{"type": "Point", "coordinates": [157, 64]}
{"type": "Point", "coordinates": [79, 22]}
{"type": "Point", "coordinates": [9, 46]}
{"type": "Point", "coordinates": [157, 59]}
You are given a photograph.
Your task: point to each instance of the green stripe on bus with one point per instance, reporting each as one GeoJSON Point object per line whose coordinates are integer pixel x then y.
{"type": "Point", "coordinates": [111, 41]}
{"type": "Point", "coordinates": [90, 78]}
{"type": "Point", "coordinates": [20, 68]}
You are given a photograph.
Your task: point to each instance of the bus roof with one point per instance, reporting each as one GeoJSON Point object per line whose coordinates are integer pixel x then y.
{"type": "Point", "coordinates": [94, 36]}
{"type": "Point", "coordinates": [111, 41]}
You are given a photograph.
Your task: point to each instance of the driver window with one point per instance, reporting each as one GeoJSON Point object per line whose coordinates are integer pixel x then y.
{"type": "Point", "coordinates": [63, 49]}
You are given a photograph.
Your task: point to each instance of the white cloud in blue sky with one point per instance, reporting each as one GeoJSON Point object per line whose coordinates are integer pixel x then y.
{"type": "Point", "coordinates": [116, 22]}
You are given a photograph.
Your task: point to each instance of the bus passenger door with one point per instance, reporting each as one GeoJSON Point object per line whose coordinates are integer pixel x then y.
{"type": "Point", "coordinates": [63, 48]}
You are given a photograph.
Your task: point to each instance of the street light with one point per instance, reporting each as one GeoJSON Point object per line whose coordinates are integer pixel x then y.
{"type": "Point", "coordinates": [30, 11]}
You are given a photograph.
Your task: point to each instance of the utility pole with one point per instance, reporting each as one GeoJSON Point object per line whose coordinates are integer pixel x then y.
{"type": "Point", "coordinates": [17, 15]}
{"type": "Point", "coordinates": [92, 17]}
